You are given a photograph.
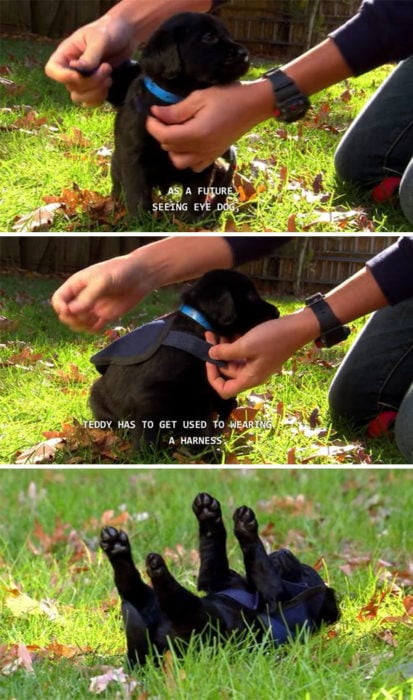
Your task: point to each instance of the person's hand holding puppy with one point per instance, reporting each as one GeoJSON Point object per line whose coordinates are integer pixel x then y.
{"type": "Point", "coordinates": [83, 62]}
{"type": "Point", "coordinates": [199, 129]}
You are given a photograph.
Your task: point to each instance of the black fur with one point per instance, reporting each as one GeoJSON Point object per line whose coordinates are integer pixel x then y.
{"type": "Point", "coordinates": [172, 384]}
{"type": "Point", "coordinates": [190, 51]}
{"type": "Point", "coordinates": [165, 612]}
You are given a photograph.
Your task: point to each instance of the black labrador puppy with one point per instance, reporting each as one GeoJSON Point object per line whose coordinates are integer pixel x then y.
{"type": "Point", "coordinates": [278, 597]}
{"type": "Point", "coordinates": [154, 380]}
{"type": "Point", "coordinates": [188, 52]}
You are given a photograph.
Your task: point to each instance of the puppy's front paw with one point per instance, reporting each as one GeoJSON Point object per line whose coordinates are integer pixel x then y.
{"type": "Point", "coordinates": [208, 511]}
{"type": "Point", "coordinates": [245, 524]}
{"type": "Point", "coordinates": [114, 542]}
{"type": "Point", "coordinates": [155, 566]}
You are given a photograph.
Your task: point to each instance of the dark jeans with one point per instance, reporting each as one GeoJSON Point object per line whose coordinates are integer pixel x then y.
{"type": "Point", "coordinates": [379, 142]}
{"type": "Point", "coordinates": [377, 374]}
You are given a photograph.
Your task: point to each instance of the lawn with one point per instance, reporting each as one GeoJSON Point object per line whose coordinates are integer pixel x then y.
{"type": "Point", "coordinates": [46, 376]}
{"type": "Point", "coordinates": [60, 624]}
{"type": "Point", "coordinates": [56, 160]}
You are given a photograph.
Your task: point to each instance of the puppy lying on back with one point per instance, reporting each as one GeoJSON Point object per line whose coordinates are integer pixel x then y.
{"type": "Point", "coordinates": [155, 377]}
{"type": "Point", "coordinates": [188, 52]}
{"type": "Point", "coordinates": [279, 596]}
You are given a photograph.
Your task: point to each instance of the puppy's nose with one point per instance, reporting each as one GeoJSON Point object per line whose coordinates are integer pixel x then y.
{"type": "Point", "coordinates": [237, 54]}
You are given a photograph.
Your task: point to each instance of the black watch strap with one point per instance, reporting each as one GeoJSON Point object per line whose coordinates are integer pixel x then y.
{"type": "Point", "coordinates": [290, 103]}
{"type": "Point", "coordinates": [332, 330]}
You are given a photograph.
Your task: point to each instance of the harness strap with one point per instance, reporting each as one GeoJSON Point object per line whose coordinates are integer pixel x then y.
{"type": "Point", "coordinates": [292, 616]}
{"type": "Point", "coordinates": [191, 344]}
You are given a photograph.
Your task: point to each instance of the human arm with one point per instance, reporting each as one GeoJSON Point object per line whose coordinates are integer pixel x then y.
{"type": "Point", "coordinates": [100, 293]}
{"type": "Point", "coordinates": [107, 42]}
{"type": "Point", "coordinates": [198, 129]}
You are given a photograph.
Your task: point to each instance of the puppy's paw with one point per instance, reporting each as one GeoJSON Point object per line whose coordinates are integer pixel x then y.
{"type": "Point", "coordinates": [245, 524]}
{"type": "Point", "coordinates": [155, 566]}
{"type": "Point", "coordinates": [114, 542]}
{"type": "Point", "coordinates": [208, 512]}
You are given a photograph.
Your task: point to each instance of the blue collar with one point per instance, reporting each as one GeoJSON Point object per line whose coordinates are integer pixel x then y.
{"type": "Point", "coordinates": [196, 316]}
{"type": "Point", "coordinates": [160, 93]}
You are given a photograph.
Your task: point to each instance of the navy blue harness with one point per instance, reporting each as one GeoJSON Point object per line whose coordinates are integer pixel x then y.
{"type": "Point", "coordinates": [142, 343]}
{"type": "Point", "coordinates": [300, 612]}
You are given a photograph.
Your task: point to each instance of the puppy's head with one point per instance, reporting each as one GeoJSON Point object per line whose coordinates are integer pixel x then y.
{"type": "Point", "coordinates": [289, 568]}
{"type": "Point", "coordinates": [230, 302]}
{"type": "Point", "coordinates": [192, 51]}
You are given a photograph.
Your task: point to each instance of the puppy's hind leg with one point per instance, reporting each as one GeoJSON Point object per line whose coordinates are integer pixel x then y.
{"type": "Point", "coordinates": [138, 194]}
{"type": "Point", "coordinates": [260, 573]}
{"type": "Point", "coordinates": [184, 610]}
{"type": "Point", "coordinates": [214, 570]}
{"type": "Point", "coordinates": [139, 606]}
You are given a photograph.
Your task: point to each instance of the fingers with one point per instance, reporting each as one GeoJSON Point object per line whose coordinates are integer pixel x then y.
{"type": "Point", "coordinates": [77, 64]}
{"type": "Point", "coordinates": [75, 303]}
{"type": "Point", "coordinates": [173, 126]}
{"type": "Point", "coordinates": [228, 381]}
{"type": "Point", "coordinates": [179, 113]}
{"type": "Point", "coordinates": [95, 48]}
{"type": "Point", "coordinates": [226, 388]}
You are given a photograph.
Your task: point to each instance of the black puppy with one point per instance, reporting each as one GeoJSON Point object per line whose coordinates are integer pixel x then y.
{"type": "Point", "coordinates": [154, 378]}
{"type": "Point", "coordinates": [278, 597]}
{"type": "Point", "coordinates": [188, 52]}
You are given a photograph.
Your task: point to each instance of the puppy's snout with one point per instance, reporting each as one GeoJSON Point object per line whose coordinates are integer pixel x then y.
{"type": "Point", "coordinates": [237, 54]}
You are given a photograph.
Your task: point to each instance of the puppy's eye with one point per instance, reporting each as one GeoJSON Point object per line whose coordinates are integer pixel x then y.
{"type": "Point", "coordinates": [209, 38]}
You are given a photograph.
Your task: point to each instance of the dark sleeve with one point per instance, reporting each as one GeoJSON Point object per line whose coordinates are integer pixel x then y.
{"type": "Point", "coordinates": [380, 32]}
{"type": "Point", "coordinates": [247, 248]}
{"type": "Point", "coordinates": [393, 270]}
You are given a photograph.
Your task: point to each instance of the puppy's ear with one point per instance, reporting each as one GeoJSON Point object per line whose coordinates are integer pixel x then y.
{"type": "Point", "coordinates": [160, 58]}
{"type": "Point", "coordinates": [330, 612]}
{"type": "Point", "coordinates": [217, 304]}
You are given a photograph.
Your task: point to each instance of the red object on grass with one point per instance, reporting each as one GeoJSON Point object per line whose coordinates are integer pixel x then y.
{"type": "Point", "coordinates": [386, 189]}
{"type": "Point", "coordinates": [380, 424]}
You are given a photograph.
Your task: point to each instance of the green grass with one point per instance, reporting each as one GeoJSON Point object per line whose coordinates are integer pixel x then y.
{"type": "Point", "coordinates": [359, 521]}
{"type": "Point", "coordinates": [48, 144]}
{"type": "Point", "coordinates": [46, 376]}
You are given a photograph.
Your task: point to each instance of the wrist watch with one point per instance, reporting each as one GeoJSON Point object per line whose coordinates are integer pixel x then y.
{"type": "Point", "coordinates": [332, 331]}
{"type": "Point", "coordinates": [290, 103]}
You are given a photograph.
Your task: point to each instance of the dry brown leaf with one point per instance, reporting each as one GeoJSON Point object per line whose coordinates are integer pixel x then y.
{"type": "Point", "coordinates": [42, 453]}
{"type": "Point", "coordinates": [38, 219]}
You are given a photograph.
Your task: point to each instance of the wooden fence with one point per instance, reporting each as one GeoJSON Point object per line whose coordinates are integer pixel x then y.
{"type": "Point", "coordinates": [316, 263]}
{"type": "Point", "coordinates": [306, 263]}
{"type": "Point", "coordinates": [267, 27]}
{"type": "Point", "coordinates": [46, 254]}
{"type": "Point", "coordinates": [284, 28]}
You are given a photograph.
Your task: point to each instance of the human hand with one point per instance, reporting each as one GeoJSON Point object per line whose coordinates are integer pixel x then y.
{"type": "Point", "coordinates": [201, 128]}
{"type": "Point", "coordinates": [84, 61]}
{"type": "Point", "coordinates": [92, 297]}
{"type": "Point", "coordinates": [259, 353]}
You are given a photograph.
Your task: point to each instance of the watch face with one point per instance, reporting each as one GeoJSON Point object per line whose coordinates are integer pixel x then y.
{"type": "Point", "coordinates": [291, 103]}
{"type": "Point", "coordinates": [293, 109]}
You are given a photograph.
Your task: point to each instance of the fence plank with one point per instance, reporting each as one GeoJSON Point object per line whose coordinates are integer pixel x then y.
{"type": "Point", "coordinates": [328, 260]}
{"type": "Point", "coordinates": [267, 27]}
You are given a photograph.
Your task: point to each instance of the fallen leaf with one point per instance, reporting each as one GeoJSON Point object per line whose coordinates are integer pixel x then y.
{"type": "Point", "coordinates": [42, 453]}
{"type": "Point", "coordinates": [99, 684]}
{"type": "Point", "coordinates": [38, 219]}
{"type": "Point", "coordinates": [21, 605]}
